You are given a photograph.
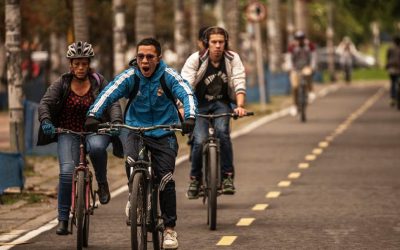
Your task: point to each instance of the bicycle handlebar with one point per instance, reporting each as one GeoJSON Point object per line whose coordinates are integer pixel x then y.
{"type": "Point", "coordinates": [233, 115]}
{"type": "Point", "coordinates": [68, 131]}
{"type": "Point", "coordinates": [106, 127]}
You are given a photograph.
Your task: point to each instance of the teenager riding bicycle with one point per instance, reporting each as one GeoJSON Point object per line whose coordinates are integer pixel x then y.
{"type": "Point", "coordinates": [218, 77]}
{"type": "Point", "coordinates": [64, 105]}
{"type": "Point", "coordinates": [151, 106]}
{"type": "Point", "coordinates": [303, 57]}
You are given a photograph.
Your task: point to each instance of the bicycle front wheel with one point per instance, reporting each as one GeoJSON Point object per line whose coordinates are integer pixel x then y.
{"type": "Point", "coordinates": [212, 186]}
{"type": "Point", "coordinates": [157, 229]}
{"type": "Point", "coordinates": [80, 209]}
{"type": "Point", "coordinates": [137, 213]}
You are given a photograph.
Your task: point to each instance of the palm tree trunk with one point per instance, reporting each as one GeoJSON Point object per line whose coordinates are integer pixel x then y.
{"type": "Point", "coordinates": [300, 15]}
{"type": "Point", "coordinates": [119, 36]}
{"type": "Point", "coordinates": [81, 29]}
{"type": "Point", "coordinates": [230, 8]}
{"type": "Point", "coordinates": [179, 34]}
{"type": "Point", "coordinates": [195, 16]}
{"type": "Point", "coordinates": [274, 36]}
{"type": "Point", "coordinates": [14, 76]}
{"type": "Point", "coordinates": [144, 23]}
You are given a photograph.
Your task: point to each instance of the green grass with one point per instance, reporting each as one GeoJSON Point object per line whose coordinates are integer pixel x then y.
{"type": "Point", "coordinates": [9, 199]}
{"type": "Point", "coordinates": [369, 74]}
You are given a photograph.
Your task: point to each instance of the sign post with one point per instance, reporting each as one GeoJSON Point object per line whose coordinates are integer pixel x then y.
{"type": "Point", "coordinates": [255, 13]}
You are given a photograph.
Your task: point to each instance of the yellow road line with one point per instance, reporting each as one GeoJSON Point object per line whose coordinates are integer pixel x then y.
{"type": "Point", "coordinates": [273, 194]}
{"type": "Point", "coordinates": [329, 138]}
{"type": "Point", "coordinates": [245, 222]}
{"type": "Point", "coordinates": [294, 175]}
{"type": "Point", "coordinates": [304, 165]}
{"type": "Point", "coordinates": [310, 157]}
{"type": "Point", "coordinates": [226, 240]}
{"type": "Point", "coordinates": [259, 207]}
{"type": "Point", "coordinates": [323, 144]}
{"type": "Point", "coordinates": [284, 183]}
{"type": "Point", "coordinates": [317, 151]}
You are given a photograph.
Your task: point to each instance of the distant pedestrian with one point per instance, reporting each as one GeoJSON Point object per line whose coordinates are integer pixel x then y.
{"type": "Point", "coordinates": [393, 68]}
{"type": "Point", "coordinates": [347, 52]}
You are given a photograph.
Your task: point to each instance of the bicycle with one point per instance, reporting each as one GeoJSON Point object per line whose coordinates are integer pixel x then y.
{"type": "Point", "coordinates": [144, 212]}
{"type": "Point", "coordinates": [212, 169]}
{"type": "Point", "coordinates": [302, 94]}
{"type": "Point", "coordinates": [83, 196]}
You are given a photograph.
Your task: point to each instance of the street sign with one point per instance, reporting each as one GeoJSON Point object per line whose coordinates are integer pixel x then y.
{"type": "Point", "coordinates": [255, 11]}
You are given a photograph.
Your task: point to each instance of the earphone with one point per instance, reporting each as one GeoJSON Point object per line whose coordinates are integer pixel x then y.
{"type": "Point", "coordinates": [219, 30]}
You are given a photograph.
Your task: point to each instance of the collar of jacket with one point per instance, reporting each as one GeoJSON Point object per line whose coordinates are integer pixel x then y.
{"type": "Point", "coordinates": [205, 54]}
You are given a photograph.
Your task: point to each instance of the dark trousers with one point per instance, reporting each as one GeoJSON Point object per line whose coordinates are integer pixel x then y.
{"type": "Point", "coordinates": [163, 154]}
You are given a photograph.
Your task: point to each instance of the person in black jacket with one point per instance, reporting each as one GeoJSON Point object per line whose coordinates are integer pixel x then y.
{"type": "Point", "coordinates": [65, 105]}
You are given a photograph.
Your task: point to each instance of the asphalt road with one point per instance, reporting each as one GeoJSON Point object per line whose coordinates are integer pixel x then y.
{"type": "Point", "coordinates": [332, 183]}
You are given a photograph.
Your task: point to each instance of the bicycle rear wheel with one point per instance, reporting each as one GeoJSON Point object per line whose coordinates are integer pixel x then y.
{"type": "Point", "coordinates": [156, 222]}
{"type": "Point", "coordinates": [137, 213]}
{"type": "Point", "coordinates": [80, 209]}
{"type": "Point", "coordinates": [303, 102]}
{"type": "Point", "coordinates": [212, 190]}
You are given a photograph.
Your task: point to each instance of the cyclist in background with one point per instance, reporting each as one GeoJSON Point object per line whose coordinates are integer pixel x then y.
{"type": "Point", "coordinates": [64, 105]}
{"type": "Point", "coordinates": [151, 106]}
{"type": "Point", "coordinates": [393, 68]}
{"type": "Point", "coordinates": [303, 57]}
{"type": "Point", "coordinates": [347, 51]}
{"type": "Point", "coordinates": [218, 77]}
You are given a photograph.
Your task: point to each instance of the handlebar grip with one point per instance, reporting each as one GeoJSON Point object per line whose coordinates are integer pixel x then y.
{"type": "Point", "coordinates": [249, 113]}
{"type": "Point", "coordinates": [176, 126]}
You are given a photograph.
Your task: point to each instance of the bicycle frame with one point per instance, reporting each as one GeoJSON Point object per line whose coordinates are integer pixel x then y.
{"type": "Point", "coordinates": [81, 218]}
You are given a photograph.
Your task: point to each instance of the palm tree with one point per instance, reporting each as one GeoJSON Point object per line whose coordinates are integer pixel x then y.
{"type": "Point", "coordinates": [231, 21]}
{"type": "Point", "coordinates": [300, 15]}
{"type": "Point", "coordinates": [274, 36]}
{"type": "Point", "coordinates": [119, 37]}
{"type": "Point", "coordinates": [179, 34]}
{"type": "Point", "coordinates": [14, 76]}
{"type": "Point", "coordinates": [81, 30]}
{"type": "Point", "coordinates": [144, 23]}
{"type": "Point", "coordinates": [195, 16]}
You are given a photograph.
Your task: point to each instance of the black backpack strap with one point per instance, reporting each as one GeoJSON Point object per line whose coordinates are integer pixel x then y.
{"type": "Point", "coordinates": [133, 93]}
{"type": "Point", "coordinates": [168, 93]}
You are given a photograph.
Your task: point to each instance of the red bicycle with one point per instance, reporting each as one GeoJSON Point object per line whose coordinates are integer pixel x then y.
{"type": "Point", "coordinates": [83, 196]}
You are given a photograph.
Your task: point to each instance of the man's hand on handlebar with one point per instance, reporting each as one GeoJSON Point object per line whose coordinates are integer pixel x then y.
{"type": "Point", "coordinates": [240, 111]}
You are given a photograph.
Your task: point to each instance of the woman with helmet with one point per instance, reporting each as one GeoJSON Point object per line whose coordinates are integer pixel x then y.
{"type": "Point", "coordinates": [65, 105]}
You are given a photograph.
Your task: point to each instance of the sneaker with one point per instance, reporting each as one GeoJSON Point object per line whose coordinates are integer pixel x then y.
{"type": "Point", "coordinates": [127, 208]}
{"type": "Point", "coordinates": [227, 185]}
{"type": "Point", "coordinates": [293, 111]}
{"type": "Point", "coordinates": [311, 97]}
{"type": "Point", "coordinates": [193, 190]}
{"type": "Point", "coordinates": [170, 241]}
{"type": "Point", "coordinates": [104, 193]}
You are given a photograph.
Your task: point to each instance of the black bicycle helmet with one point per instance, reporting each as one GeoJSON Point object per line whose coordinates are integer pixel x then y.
{"type": "Point", "coordinates": [80, 49]}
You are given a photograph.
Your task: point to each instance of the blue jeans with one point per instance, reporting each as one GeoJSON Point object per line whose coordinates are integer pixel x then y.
{"type": "Point", "coordinates": [222, 131]}
{"type": "Point", "coordinates": [68, 156]}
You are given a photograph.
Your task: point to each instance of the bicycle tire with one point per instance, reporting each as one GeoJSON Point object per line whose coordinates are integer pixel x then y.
{"type": "Point", "coordinates": [157, 233]}
{"type": "Point", "coordinates": [137, 213]}
{"type": "Point", "coordinates": [86, 224]}
{"type": "Point", "coordinates": [398, 94]}
{"type": "Point", "coordinates": [212, 186]}
{"type": "Point", "coordinates": [303, 103]}
{"type": "Point", "coordinates": [80, 209]}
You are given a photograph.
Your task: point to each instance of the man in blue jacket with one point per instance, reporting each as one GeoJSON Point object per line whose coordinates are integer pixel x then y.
{"type": "Point", "coordinates": [151, 106]}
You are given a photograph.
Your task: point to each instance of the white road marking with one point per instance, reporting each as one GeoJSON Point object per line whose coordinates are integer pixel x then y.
{"type": "Point", "coordinates": [260, 207]}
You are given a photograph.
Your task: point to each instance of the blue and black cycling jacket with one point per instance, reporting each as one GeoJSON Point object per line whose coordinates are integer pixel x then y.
{"type": "Point", "coordinates": [150, 106]}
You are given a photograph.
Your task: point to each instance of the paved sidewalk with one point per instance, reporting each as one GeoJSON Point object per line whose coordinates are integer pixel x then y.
{"type": "Point", "coordinates": [22, 217]}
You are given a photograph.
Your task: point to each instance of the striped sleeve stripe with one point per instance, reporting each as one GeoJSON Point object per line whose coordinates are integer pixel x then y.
{"type": "Point", "coordinates": [109, 91]}
{"type": "Point", "coordinates": [186, 88]}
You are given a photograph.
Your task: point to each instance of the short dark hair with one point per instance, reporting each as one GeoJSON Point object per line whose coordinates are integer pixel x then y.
{"type": "Point", "coordinates": [152, 42]}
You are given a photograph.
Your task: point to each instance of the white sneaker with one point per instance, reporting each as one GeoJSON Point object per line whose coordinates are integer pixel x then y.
{"type": "Point", "coordinates": [311, 96]}
{"type": "Point", "coordinates": [293, 111]}
{"type": "Point", "coordinates": [170, 241]}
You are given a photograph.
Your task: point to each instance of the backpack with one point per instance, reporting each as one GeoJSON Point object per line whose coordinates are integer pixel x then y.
{"type": "Point", "coordinates": [164, 87]}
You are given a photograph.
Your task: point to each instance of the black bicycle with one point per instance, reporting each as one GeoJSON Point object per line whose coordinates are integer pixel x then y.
{"type": "Point", "coordinates": [83, 196]}
{"type": "Point", "coordinates": [144, 211]}
{"type": "Point", "coordinates": [212, 169]}
{"type": "Point", "coordinates": [302, 97]}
